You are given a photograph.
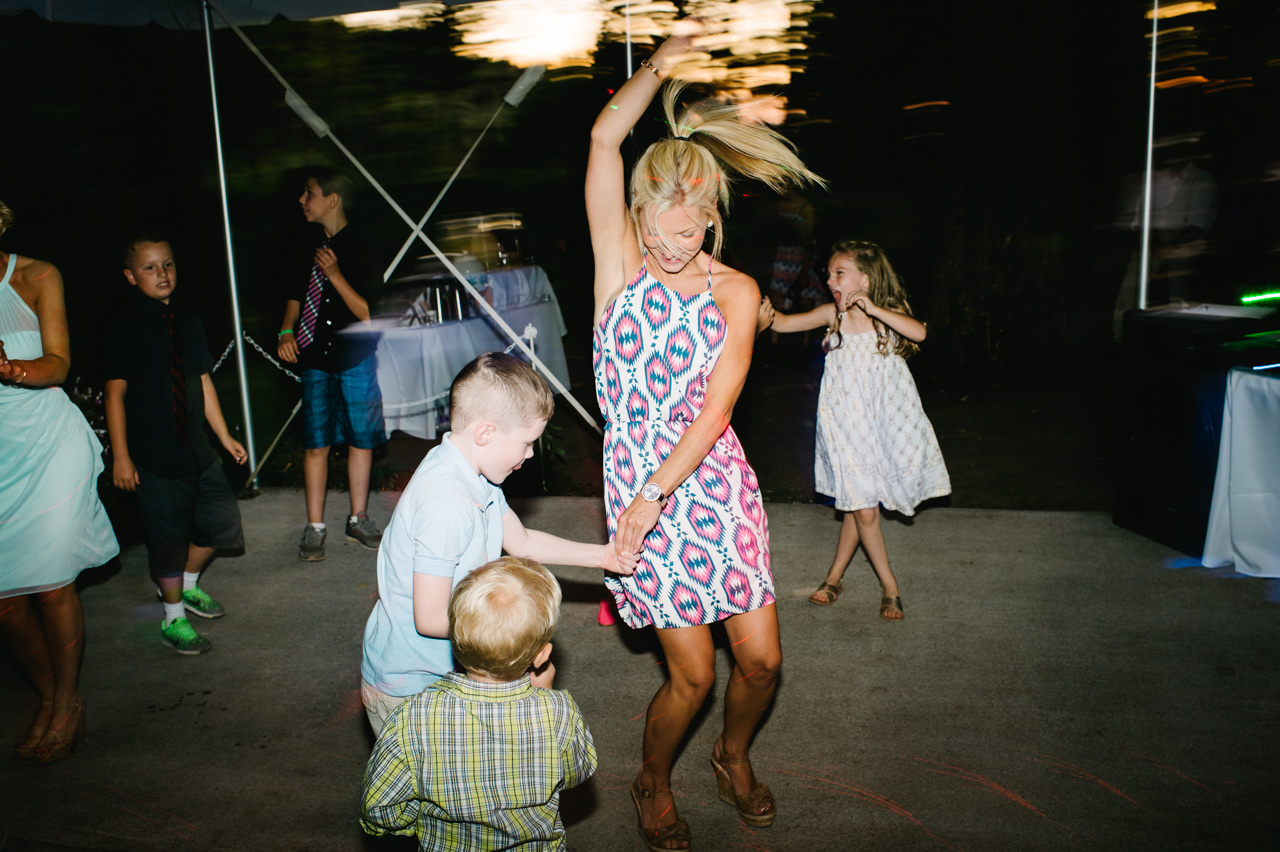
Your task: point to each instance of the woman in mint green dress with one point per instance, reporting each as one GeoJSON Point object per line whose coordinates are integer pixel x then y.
{"type": "Point", "coordinates": [52, 524]}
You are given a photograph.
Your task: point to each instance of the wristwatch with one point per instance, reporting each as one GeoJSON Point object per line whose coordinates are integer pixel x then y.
{"type": "Point", "coordinates": [652, 493]}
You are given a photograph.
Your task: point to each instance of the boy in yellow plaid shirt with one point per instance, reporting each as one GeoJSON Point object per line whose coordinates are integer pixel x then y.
{"type": "Point", "coordinates": [477, 760]}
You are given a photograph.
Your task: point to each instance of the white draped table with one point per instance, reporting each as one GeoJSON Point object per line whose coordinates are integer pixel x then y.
{"type": "Point", "coordinates": [1244, 516]}
{"type": "Point", "coordinates": [416, 364]}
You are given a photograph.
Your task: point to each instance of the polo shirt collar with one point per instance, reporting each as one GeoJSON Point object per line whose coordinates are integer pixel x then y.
{"type": "Point", "coordinates": [478, 488]}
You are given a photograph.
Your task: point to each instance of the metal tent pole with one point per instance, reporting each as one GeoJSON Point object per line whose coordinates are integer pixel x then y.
{"type": "Point", "coordinates": [1145, 255]}
{"type": "Point", "coordinates": [231, 259]}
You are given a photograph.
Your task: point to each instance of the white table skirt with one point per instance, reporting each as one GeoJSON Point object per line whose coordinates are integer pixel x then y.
{"type": "Point", "coordinates": [1244, 516]}
{"type": "Point", "coordinates": [417, 364]}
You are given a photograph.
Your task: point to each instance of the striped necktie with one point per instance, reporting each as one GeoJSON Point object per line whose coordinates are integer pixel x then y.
{"type": "Point", "coordinates": [177, 378]}
{"type": "Point", "coordinates": [311, 307]}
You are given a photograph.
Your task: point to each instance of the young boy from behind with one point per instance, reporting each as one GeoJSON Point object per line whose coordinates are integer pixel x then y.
{"type": "Point", "coordinates": [453, 518]}
{"type": "Point", "coordinates": [477, 761]}
{"type": "Point", "coordinates": [158, 398]}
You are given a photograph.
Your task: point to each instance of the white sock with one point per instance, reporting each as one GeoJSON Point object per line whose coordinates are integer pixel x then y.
{"type": "Point", "coordinates": [353, 519]}
{"type": "Point", "coordinates": [172, 612]}
{"type": "Point", "coordinates": [190, 580]}
{"type": "Point", "coordinates": [318, 527]}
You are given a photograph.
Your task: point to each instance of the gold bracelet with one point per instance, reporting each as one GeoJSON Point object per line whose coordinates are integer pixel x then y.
{"type": "Point", "coordinates": [644, 63]}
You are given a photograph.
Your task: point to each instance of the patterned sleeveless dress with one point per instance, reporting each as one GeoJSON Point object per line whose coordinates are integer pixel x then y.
{"type": "Point", "coordinates": [708, 556]}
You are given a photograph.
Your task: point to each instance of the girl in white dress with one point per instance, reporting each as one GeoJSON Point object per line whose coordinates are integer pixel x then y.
{"type": "Point", "coordinates": [875, 445]}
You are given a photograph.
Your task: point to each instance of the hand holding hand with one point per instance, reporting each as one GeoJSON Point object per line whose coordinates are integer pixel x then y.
{"type": "Point", "coordinates": [634, 524]}
{"type": "Point", "coordinates": [619, 562]}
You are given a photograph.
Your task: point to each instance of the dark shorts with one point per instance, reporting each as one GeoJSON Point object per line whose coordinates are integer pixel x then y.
{"type": "Point", "coordinates": [343, 407]}
{"type": "Point", "coordinates": [199, 510]}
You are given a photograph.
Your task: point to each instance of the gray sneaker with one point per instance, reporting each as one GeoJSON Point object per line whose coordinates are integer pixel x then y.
{"type": "Point", "coordinates": [364, 532]}
{"type": "Point", "coordinates": [311, 548]}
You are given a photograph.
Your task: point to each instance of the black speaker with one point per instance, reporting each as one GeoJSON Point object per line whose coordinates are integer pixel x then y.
{"type": "Point", "coordinates": [1170, 389]}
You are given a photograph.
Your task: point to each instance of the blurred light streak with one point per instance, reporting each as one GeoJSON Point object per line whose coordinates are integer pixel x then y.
{"type": "Point", "coordinates": [927, 104]}
{"type": "Point", "coordinates": [1181, 81]}
{"type": "Point", "coordinates": [1176, 10]}
{"type": "Point", "coordinates": [1258, 298]}
{"type": "Point", "coordinates": [555, 33]}
{"type": "Point", "coordinates": [1235, 83]}
{"type": "Point", "coordinates": [410, 16]}
{"type": "Point", "coordinates": [1266, 366]}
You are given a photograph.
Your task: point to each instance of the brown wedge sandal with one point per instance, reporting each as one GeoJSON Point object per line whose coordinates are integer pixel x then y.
{"type": "Point", "coordinates": [26, 745]}
{"type": "Point", "coordinates": [60, 740]}
{"type": "Point", "coordinates": [749, 806]}
{"type": "Point", "coordinates": [660, 839]}
{"type": "Point", "coordinates": [826, 594]}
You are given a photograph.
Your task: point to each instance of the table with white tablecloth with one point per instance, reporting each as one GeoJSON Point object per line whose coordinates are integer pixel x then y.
{"type": "Point", "coordinates": [1244, 516]}
{"type": "Point", "coordinates": [416, 364]}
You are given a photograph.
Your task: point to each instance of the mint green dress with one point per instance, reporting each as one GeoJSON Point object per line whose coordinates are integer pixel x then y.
{"type": "Point", "coordinates": [52, 524]}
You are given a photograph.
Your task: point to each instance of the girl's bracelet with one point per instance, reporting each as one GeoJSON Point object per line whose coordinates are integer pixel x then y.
{"type": "Point", "coordinates": [645, 63]}
{"type": "Point", "coordinates": [283, 333]}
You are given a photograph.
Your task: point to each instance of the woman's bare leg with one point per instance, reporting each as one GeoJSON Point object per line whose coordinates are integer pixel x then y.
{"type": "Point", "coordinates": [757, 658]}
{"type": "Point", "coordinates": [23, 636]}
{"type": "Point", "coordinates": [62, 617]}
{"type": "Point", "coordinates": [691, 672]}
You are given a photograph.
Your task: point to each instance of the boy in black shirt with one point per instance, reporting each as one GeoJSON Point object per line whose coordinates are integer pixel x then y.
{"type": "Point", "coordinates": [324, 318]}
{"type": "Point", "coordinates": [158, 397]}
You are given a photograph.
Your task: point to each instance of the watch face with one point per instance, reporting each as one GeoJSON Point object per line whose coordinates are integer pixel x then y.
{"type": "Point", "coordinates": [651, 492]}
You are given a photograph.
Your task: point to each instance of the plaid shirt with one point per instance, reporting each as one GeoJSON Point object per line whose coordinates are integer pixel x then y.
{"type": "Point", "coordinates": [466, 765]}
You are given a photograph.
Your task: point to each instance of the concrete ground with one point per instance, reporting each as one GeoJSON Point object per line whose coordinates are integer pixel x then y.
{"type": "Point", "coordinates": [1059, 683]}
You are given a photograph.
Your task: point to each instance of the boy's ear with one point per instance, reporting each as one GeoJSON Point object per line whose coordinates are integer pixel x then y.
{"type": "Point", "coordinates": [543, 655]}
{"type": "Point", "coordinates": [128, 276]}
{"type": "Point", "coordinates": [485, 430]}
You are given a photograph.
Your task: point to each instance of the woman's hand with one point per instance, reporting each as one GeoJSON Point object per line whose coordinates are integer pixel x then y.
{"type": "Point", "coordinates": [634, 524]}
{"type": "Point", "coordinates": [617, 561]}
{"type": "Point", "coordinates": [11, 372]}
{"type": "Point", "coordinates": [860, 300]}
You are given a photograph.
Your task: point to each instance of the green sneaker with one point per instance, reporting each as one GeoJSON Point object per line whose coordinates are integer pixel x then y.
{"type": "Point", "coordinates": [183, 638]}
{"type": "Point", "coordinates": [198, 602]}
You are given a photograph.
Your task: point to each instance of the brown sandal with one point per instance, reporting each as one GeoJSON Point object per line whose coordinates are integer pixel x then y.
{"type": "Point", "coordinates": [59, 741]}
{"type": "Point", "coordinates": [826, 594]}
{"type": "Point", "coordinates": [27, 744]}
{"type": "Point", "coordinates": [659, 839]}
{"type": "Point", "coordinates": [890, 605]}
{"type": "Point", "coordinates": [749, 805]}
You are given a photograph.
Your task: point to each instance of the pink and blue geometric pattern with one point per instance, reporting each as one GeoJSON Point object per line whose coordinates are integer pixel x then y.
{"type": "Point", "coordinates": [708, 557]}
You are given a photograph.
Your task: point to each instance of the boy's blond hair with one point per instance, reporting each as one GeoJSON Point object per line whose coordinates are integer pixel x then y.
{"type": "Point", "coordinates": [500, 388]}
{"type": "Point", "coordinates": [501, 615]}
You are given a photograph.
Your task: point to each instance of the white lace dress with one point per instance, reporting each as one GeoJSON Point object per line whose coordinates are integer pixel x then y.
{"type": "Point", "coordinates": [875, 445]}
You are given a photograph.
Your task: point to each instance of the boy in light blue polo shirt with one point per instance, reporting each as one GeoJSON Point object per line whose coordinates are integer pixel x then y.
{"type": "Point", "coordinates": [453, 518]}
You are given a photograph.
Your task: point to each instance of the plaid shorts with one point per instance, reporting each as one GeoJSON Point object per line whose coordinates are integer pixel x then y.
{"type": "Point", "coordinates": [343, 407]}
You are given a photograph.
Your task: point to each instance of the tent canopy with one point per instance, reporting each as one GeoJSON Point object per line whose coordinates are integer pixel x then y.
{"type": "Point", "coordinates": [187, 14]}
